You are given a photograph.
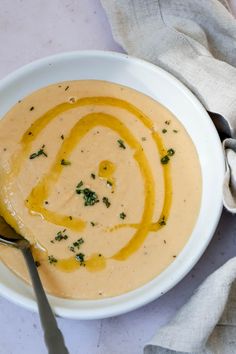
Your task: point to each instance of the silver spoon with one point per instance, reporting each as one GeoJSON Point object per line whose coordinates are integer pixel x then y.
{"type": "Point", "coordinates": [53, 337]}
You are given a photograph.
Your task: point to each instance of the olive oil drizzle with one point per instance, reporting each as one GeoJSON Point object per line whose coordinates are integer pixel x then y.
{"type": "Point", "coordinates": [106, 171]}
{"type": "Point", "coordinates": [41, 191]}
{"type": "Point", "coordinates": [95, 262]}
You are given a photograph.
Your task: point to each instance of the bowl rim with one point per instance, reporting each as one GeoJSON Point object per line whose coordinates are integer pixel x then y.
{"type": "Point", "coordinates": [122, 303]}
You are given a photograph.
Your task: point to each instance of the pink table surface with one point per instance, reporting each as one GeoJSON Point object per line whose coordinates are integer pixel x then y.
{"type": "Point", "coordinates": [34, 29]}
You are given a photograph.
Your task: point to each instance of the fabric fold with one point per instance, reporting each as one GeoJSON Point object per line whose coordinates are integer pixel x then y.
{"type": "Point", "coordinates": [205, 324]}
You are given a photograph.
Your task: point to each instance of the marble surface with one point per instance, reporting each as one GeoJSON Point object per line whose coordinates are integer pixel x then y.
{"type": "Point", "coordinates": [33, 29]}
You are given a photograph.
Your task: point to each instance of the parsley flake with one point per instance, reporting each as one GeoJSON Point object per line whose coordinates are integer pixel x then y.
{"type": "Point", "coordinates": [90, 197]}
{"type": "Point", "coordinates": [170, 152]}
{"type": "Point", "coordinates": [80, 257]}
{"type": "Point", "coordinates": [122, 215]}
{"type": "Point", "coordinates": [80, 184]}
{"type": "Point", "coordinates": [65, 162]}
{"type": "Point", "coordinates": [38, 153]}
{"type": "Point", "coordinates": [165, 159]}
{"type": "Point", "coordinates": [121, 144]}
{"type": "Point", "coordinates": [61, 236]}
{"type": "Point", "coordinates": [106, 201]}
{"type": "Point", "coordinates": [52, 260]}
{"type": "Point", "coordinates": [78, 243]}
{"type": "Point", "coordinates": [162, 221]}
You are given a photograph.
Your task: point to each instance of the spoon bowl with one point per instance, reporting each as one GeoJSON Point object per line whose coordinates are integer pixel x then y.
{"type": "Point", "coordinates": [9, 237]}
{"type": "Point", "coordinates": [53, 336]}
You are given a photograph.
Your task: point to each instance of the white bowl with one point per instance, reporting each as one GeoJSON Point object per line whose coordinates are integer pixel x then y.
{"type": "Point", "coordinates": [158, 84]}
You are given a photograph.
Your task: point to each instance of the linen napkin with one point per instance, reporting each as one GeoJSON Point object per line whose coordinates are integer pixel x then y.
{"type": "Point", "coordinates": [195, 40]}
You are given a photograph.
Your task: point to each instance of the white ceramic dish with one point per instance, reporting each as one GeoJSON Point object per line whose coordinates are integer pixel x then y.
{"type": "Point", "coordinates": [161, 86]}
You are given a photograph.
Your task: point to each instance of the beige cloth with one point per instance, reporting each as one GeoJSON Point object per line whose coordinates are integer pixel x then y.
{"type": "Point", "coordinates": [195, 40]}
{"type": "Point", "coordinates": [207, 323]}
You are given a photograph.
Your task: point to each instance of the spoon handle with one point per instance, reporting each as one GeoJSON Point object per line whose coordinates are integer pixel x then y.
{"type": "Point", "coordinates": [53, 337]}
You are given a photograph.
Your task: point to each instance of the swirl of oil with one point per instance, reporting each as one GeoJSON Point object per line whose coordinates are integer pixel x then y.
{"type": "Point", "coordinates": [42, 189]}
{"type": "Point", "coordinates": [106, 170]}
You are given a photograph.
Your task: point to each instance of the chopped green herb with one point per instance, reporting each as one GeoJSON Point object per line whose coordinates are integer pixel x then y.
{"type": "Point", "coordinates": [32, 108]}
{"type": "Point", "coordinates": [164, 131]}
{"type": "Point", "coordinates": [121, 144]}
{"type": "Point", "coordinates": [70, 217]}
{"type": "Point", "coordinates": [80, 184]}
{"type": "Point", "coordinates": [143, 138]}
{"type": "Point", "coordinates": [38, 153]}
{"type": "Point", "coordinates": [80, 257]}
{"type": "Point", "coordinates": [30, 133]}
{"type": "Point", "coordinates": [65, 162]}
{"type": "Point", "coordinates": [78, 243]}
{"type": "Point", "coordinates": [109, 183]}
{"type": "Point", "coordinates": [37, 263]}
{"type": "Point", "coordinates": [93, 176]}
{"type": "Point", "coordinates": [92, 223]}
{"type": "Point", "coordinates": [106, 201]}
{"type": "Point", "coordinates": [165, 159]}
{"type": "Point", "coordinates": [122, 215]}
{"type": "Point", "coordinates": [170, 152]}
{"type": "Point", "coordinates": [175, 131]}
{"type": "Point", "coordinates": [62, 137]}
{"type": "Point", "coordinates": [167, 122]}
{"type": "Point", "coordinates": [90, 197]}
{"type": "Point", "coordinates": [61, 236]}
{"type": "Point", "coordinates": [162, 221]}
{"type": "Point", "coordinates": [52, 260]}
{"type": "Point", "coordinates": [67, 88]}
{"type": "Point", "coordinates": [46, 202]}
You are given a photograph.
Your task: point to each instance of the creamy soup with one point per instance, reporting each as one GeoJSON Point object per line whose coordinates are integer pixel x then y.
{"type": "Point", "coordinates": [105, 183]}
